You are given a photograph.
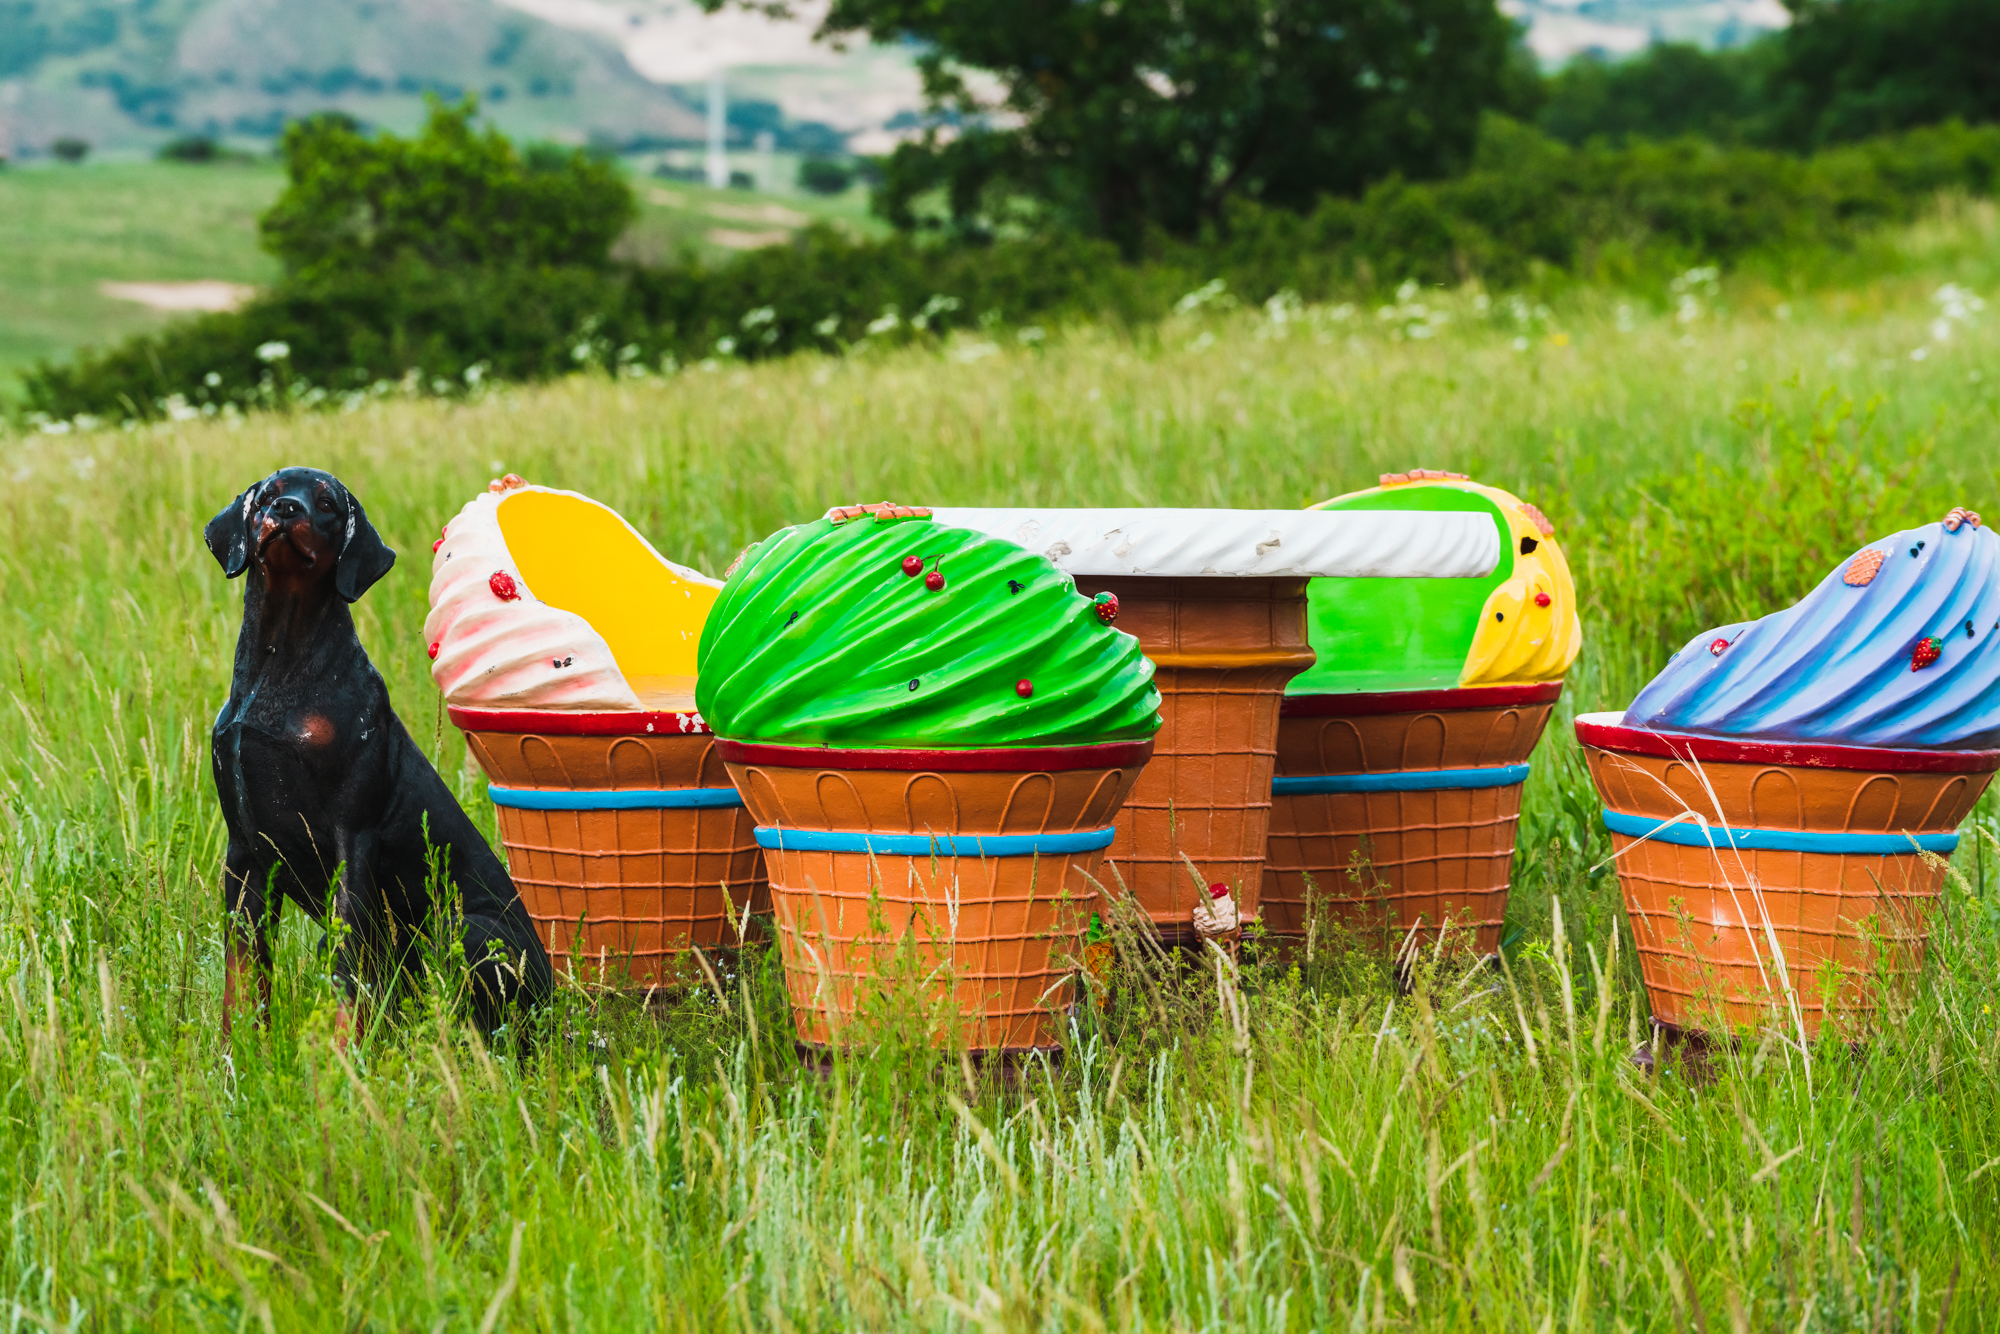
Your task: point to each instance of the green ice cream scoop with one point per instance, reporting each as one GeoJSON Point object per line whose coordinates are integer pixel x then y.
{"type": "Point", "coordinates": [900, 632]}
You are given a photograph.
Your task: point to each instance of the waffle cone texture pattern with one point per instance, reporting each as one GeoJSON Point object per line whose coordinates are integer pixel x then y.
{"type": "Point", "coordinates": [620, 894]}
{"type": "Point", "coordinates": [1724, 931]}
{"type": "Point", "coordinates": [1223, 650]}
{"type": "Point", "coordinates": [992, 940]}
{"type": "Point", "coordinates": [1399, 862]}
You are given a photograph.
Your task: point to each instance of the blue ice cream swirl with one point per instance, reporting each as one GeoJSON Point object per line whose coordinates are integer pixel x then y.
{"type": "Point", "coordinates": [1904, 655]}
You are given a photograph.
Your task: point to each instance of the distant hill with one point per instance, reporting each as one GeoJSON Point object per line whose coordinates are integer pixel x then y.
{"type": "Point", "coordinates": [127, 76]}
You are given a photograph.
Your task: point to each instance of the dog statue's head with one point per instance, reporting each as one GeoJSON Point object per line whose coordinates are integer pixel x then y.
{"type": "Point", "coordinates": [300, 525]}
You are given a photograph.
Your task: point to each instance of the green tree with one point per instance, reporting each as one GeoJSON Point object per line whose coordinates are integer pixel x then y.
{"type": "Point", "coordinates": [1849, 69]}
{"type": "Point", "coordinates": [1666, 91]}
{"type": "Point", "coordinates": [453, 197]}
{"type": "Point", "coordinates": [1115, 116]}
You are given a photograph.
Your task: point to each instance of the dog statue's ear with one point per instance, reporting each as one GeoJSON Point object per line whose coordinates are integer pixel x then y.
{"type": "Point", "coordinates": [364, 559]}
{"type": "Point", "coordinates": [228, 534]}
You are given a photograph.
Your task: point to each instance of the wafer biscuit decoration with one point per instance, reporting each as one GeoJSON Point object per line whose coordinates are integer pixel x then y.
{"type": "Point", "coordinates": [1515, 626]}
{"type": "Point", "coordinates": [546, 599]}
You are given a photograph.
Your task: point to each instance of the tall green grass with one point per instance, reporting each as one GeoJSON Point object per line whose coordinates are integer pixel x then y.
{"type": "Point", "coordinates": [1261, 1150]}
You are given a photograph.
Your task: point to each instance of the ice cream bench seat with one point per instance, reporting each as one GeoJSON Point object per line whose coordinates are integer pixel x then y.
{"type": "Point", "coordinates": [934, 732]}
{"type": "Point", "coordinates": [1403, 750]}
{"type": "Point", "coordinates": [1781, 795]}
{"type": "Point", "coordinates": [564, 645]}
{"type": "Point", "coordinates": [1217, 599]}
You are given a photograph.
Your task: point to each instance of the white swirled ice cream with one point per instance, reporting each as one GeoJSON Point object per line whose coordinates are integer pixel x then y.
{"type": "Point", "coordinates": [546, 599]}
{"type": "Point", "coordinates": [1897, 647]}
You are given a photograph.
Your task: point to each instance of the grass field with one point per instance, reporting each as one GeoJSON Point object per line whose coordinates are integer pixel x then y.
{"type": "Point", "coordinates": [1478, 1154]}
{"type": "Point", "coordinates": [65, 230]}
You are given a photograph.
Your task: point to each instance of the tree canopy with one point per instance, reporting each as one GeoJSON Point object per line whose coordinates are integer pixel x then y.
{"type": "Point", "coordinates": [452, 197]}
{"type": "Point", "coordinates": [1844, 70]}
{"type": "Point", "coordinates": [1113, 116]}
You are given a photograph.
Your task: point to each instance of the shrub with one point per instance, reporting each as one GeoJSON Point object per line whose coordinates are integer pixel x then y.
{"type": "Point", "coordinates": [451, 197]}
{"type": "Point", "coordinates": [71, 150]}
{"type": "Point", "coordinates": [392, 277]}
{"type": "Point", "coordinates": [190, 148]}
{"type": "Point", "coordinates": [824, 176]}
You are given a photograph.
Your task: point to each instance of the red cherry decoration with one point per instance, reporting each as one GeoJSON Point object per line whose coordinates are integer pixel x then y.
{"type": "Point", "coordinates": [1024, 688]}
{"type": "Point", "coordinates": [434, 650]}
{"type": "Point", "coordinates": [1927, 651]}
{"type": "Point", "coordinates": [1542, 599]}
{"type": "Point", "coordinates": [435, 545]}
{"type": "Point", "coordinates": [1717, 647]}
{"type": "Point", "coordinates": [913, 565]}
{"type": "Point", "coordinates": [934, 580]}
{"type": "Point", "coordinates": [1107, 607]}
{"type": "Point", "coordinates": [1218, 891]}
{"type": "Point", "coordinates": [504, 587]}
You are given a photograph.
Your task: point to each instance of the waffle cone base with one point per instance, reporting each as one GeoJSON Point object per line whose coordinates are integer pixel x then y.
{"type": "Point", "coordinates": [619, 895]}
{"type": "Point", "coordinates": [1223, 651]}
{"type": "Point", "coordinates": [1394, 866]}
{"type": "Point", "coordinates": [1848, 927]}
{"type": "Point", "coordinates": [987, 945]}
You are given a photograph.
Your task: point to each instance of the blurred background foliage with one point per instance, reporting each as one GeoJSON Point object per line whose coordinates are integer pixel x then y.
{"type": "Point", "coordinates": [1100, 162]}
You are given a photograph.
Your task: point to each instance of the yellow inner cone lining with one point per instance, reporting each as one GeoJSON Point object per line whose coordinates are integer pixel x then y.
{"type": "Point", "coordinates": [579, 556]}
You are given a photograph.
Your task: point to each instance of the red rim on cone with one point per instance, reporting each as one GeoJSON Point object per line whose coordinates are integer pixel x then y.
{"type": "Point", "coordinates": [623, 833]}
{"type": "Point", "coordinates": [976, 864]}
{"type": "Point", "coordinates": [1398, 810]}
{"type": "Point", "coordinates": [1224, 649]}
{"type": "Point", "coordinates": [1807, 866]}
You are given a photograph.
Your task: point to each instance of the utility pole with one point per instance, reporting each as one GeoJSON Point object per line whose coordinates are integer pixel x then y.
{"type": "Point", "coordinates": [718, 125]}
{"type": "Point", "coordinates": [767, 163]}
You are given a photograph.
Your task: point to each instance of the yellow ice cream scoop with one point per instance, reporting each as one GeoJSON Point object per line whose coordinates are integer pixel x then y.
{"type": "Point", "coordinates": [1515, 626]}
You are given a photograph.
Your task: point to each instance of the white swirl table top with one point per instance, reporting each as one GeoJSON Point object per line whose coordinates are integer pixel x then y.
{"type": "Point", "coordinates": [1226, 543]}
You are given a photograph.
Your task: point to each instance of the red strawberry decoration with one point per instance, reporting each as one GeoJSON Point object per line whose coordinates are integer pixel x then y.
{"type": "Point", "coordinates": [504, 587]}
{"type": "Point", "coordinates": [1928, 650]}
{"type": "Point", "coordinates": [1107, 607]}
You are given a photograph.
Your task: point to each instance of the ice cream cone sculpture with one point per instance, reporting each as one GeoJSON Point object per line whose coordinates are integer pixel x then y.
{"type": "Point", "coordinates": [1218, 600]}
{"type": "Point", "coordinates": [934, 731]}
{"type": "Point", "coordinates": [565, 648]}
{"type": "Point", "coordinates": [1403, 750]}
{"type": "Point", "coordinates": [1780, 797]}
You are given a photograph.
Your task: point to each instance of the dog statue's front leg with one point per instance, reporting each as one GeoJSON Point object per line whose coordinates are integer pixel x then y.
{"type": "Point", "coordinates": [246, 938]}
{"type": "Point", "coordinates": [358, 912]}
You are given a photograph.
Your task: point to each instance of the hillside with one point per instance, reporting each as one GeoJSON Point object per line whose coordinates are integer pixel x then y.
{"type": "Point", "coordinates": [83, 244]}
{"type": "Point", "coordinates": [126, 77]}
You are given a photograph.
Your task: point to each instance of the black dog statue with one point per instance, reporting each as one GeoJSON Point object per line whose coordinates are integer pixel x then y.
{"type": "Point", "coordinates": [327, 798]}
